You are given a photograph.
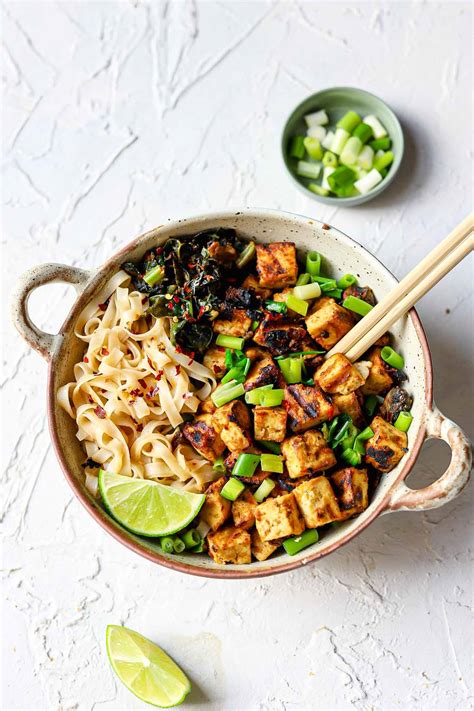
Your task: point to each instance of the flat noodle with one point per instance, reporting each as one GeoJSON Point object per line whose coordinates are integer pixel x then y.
{"type": "Point", "coordinates": [131, 391]}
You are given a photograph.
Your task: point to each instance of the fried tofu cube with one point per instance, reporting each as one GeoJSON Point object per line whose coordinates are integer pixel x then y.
{"type": "Point", "coordinates": [232, 421]}
{"type": "Point", "coordinates": [243, 511]}
{"type": "Point", "coordinates": [278, 518]}
{"type": "Point", "coordinates": [251, 282]}
{"type": "Point", "coordinates": [222, 252]}
{"type": "Point", "coordinates": [317, 502]}
{"type": "Point", "coordinates": [276, 264]}
{"type": "Point", "coordinates": [338, 375]}
{"type": "Point", "coordinates": [261, 550]}
{"type": "Point", "coordinates": [238, 325]}
{"type": "Point", "coordinates": [254, 353]}
{"type": "Point", "coordinates": [214, 359]}
{"type": "Point", "coordinates": [270, 423]}
{"type": "Point", "coordinates": [327, 322]}
{"type": "Point", "coordinates": [307, 406]}
{"type": "Point", "coordinates": [263, 371]}
{"type": "Point", "coordinates": [350, 405]}
{"type": "Point", "coordinates": [281, 337]}
{"type": "Point", "coordinates": [388, 445]}
{"type": "Point", "coordinates": [215, 510]}
{"type": "Point", "coordinates": [207, 406]}
{"type": "Point", "coordinates": [230, 545]}
{"type": "Point", "coordinates": [352, 490]}
{"type": "Point", "coordinates": [379, 380]}
{"type": "Point", "coordinates": [204, 437]}
{"type": "Point", "coordinates": [282, 295]}
{"type": "Point", "coordinates": [307, 453]}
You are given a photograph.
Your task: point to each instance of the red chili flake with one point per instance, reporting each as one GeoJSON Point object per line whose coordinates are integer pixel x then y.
{"type": "Point", "coordinates": [103, 307]}
{"type": "Point", "coordinates": [217, 369]}
{"type": "Point", "coordinates": [144, 298]}
{"type": "Point", "coordinates": [159, 374]}
{"type": "Point", "coordinates": [178, 348]}
{"type": "Point", "coordinates": [326, 227]}
{"type": "Point", "coordinates": [105, 352]}
{"type": "Point", "coordinates": [188, 318]}
{"type": "Point", "coordinates": [131, 402]}
{"type": "Point", "coordinates": [201, 311]}
{"type": "Point", "coordinates": [191, 265]}
{"type": "Point", "coordinates": [150, 363]}
{"type": "Point", "coordinates": [176, 299]}
{"type": "Point", "coordinates": [186, 288]}
{"type": "Point", "coordinates": [170, 306]}
{"type": "Point", "coordinates": [191, 358]}
{"type": "Point", "coordinates": [159, 250]}
{"type": "Point", "coordinates": [178, 369]}
{"type": "Point", "coordinates": [143, 382]}
{"type": "Point", "coordinates": [90, 399]}
{"type": "Point", "coordinates": [135, 392]}
{"type": "Point", "coordinates": [221, 349]}
{"type": "Point", "coordinates": [139, 427]}
{"type": "Point", "coordinates": [286, 405]}
{"type": "Point", "coordinates": [86, 359]}
{"type": "Point", "coordinates": [100, 412]}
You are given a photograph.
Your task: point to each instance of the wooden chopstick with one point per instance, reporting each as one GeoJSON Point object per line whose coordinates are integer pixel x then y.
{"type": "Point", "coordinates": [415, 285]}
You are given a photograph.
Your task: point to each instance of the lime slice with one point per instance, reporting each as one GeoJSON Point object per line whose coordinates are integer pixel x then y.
{"type": "Point", "coordinates": [145, 669]}
{"type": "Point", "coordinates": [146, 507]}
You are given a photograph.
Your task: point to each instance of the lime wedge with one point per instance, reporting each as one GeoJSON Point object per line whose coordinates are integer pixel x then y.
{"type": "Point", "coordinates": [145, 669]}
{"type": "Point", "coordinates": [146, 507]}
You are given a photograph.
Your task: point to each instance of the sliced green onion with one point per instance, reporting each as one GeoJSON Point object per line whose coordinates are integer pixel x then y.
{"type": "Point", "coordinates": [346, 280]}
{"type": "Point", "coordinates": [339, 141]}
{"type": "Point", "coordinates": [191, 538]}
{"type": "Point", "coordinates": [325, 283]}
{"type": "Point", "coordinates": [363, 131]}
{"type": "Point", "coordinates": [368, 182]}
{"type": "Point", "coordinates": [381, 144]}
{"type": "Point", "coordinates": [265, 488]}
{"type": "Point", "coordinates": [238, 372]}
{"type": "Point", "coordinates": [291, 369]}
{"type": "Point", "coordinates": [246, 465]}
{"type": "Point", "coordinates": [349, 121]}
{"type": "Point", "coordinates": [351, 457]}
{"type": "Point", "coordinates": [334, 293]}
{"type": "Point", "coordinates": [294, 545]}
{"type": "Point", "coordinates": [272, 398]}
{"type": "Point", "coordinates": [330, 160]}
{"type": "Point", "coordinates": [313, 148]}
{"type": "Point", "coordinates": [303, 279]}
{"type": "Point", "coordinates": [278, 307]}
{"type": "Point", "coordinates": [178, 544]}
{"type": "Point", "coordinates": [326, 173]}
{"type": "Point", "coordinates": [367, 433]}
{"type": "Point", "coordinates": [403, 421]}
{"type": "Point", "coordinates": [371, 404]}
{"type": "Point", "coordinates": [317, 118]}
{"type": "Point", "coordinates": [383, 160]}
{"type": "Point", "coordinates": [384, 172]}
{"type": "Point", "coordinates": [246, 255]}
{"type": "Point", "coordinates": [219, 465]}
{"type": "Point", "coordinates": [166, 544]}
{"type": "Point", "coordinates": [199, 548]}
{"type": "Point", "coordinates": [376, 126]}
{"type": "Point", "coordinates": [359, 306]}
{"type": "Point", "coordinates": [229, 358]}
{"type": "Point", "coordinates": [318, 189]}
{"type": "Point", "coordinates": [392, 358]}
{"type": "Point", "coordinates": [254, 397]}
{"type": "Point", "coordinates": [313, 263]}
{"type": "Point", "coordinates": [224, 394]}
{"type": "Point", "coordinates": [327, 140]}
{"type": "Point", "coordinates": [297, 354]}
{"type": "Point", "coordinates": [153, 276]}
{"type": "Point", "coordinates": [297, 305]}
{"type": "Point", "coordinates": [272, 463]}
{"type": "Point", "coordinates": [230, 342]}
{"type": "Point", "coordinates": [358, 444]}
{"type": "Point", "coordinates": [365, 159]}
{"type": "Point", "coordinates": [254, 325]}
{"type": "Point", "coordinates": [351, 151]}
{"type": "Point", "coordinates": [273, 447]}
{"type": "Point", "coordinates": [296, 149]}
{"type": "Point", "coordinates": [341, 177]}
{"type": "Point", "coordinates": [318, 132]}
{"type": "Point", "coordinates": [308, 170]}
{"type": "Point", "coordinates": [307, 291]}
{"type": "Point", "coordinates": [232, 489]}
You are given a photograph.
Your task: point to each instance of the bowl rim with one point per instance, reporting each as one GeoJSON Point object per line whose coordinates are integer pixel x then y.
{"type": "Point", "coordinates": [356, 199]}
{"type": "Point", "coordinates": [97, 278]}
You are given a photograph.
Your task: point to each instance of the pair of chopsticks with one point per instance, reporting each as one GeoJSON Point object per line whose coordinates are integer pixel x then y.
{"type": "Point", "coordinates": [416, 284]}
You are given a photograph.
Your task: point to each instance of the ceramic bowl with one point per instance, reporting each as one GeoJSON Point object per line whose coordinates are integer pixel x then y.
{"type": "Point", "coordinates": [337, 102]}
{"type": "Point", "coordinates": [64, 349]}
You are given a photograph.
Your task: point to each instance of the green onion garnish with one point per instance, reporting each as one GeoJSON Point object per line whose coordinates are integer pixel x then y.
{"type": "Point", "coordinates": [296, 148]}
{"type": "Point", "coordinates": [313, 263]}
{"type": "Point", "coordinates": [291, 369]}
{"type": "Point", "coordinates": [199, 548]}
{"type": "Point", "coordinates": [307, 291]}
{"type": "Point", "coordinates": [294, 545]}
{"type": "Point", "coordinates": [191, 538]}
{"type": "Point", "coordinates": [349, 121]}
{"type": "Point", "coordinates": [303, 279]}
{"type": "Point", "coordinates": [273, 447]}
{"type": "Point", "coordinates": [341, 178]}
{"type": "Point", "coordinates": [254, 397]}
{"type": "Point", "coordinates": [334, 293]}
{"type": "Point", "coordinates": [363, 132]}
{"type": "Point", "coordinates": [265, 488]}
{"type": "Point", "coordinates": [297, 305]}
{"type": "Point", "coordinates": [225, 393]}
{"type": "Point", "coordinates": [340, 139]}
{"type": "Point", "coordinates": [166, 544]}
{"type": "Point", "coordinates": [313, 147]}
{"type": "Point", "coordinates": [351, 457]}
{"type": "Point", "coordinates": [381, 144]}
{"type": "Point", "coordinates": [392, 357]}
{"type": "Point", "coordinates": [330, 160]}
{"type": "Point", "coordinates": [351, 151]}
{"type": "Point", "coordinates": [232, 489]}
{"type": "Point", "coordinates": [254, 325]}
{"type": "Point", "coordinates": [230, 342]}
{"type": "Point", "coordinates": [278, 307]}
{"type": "Point", "coordinates": [403, 421]}
{"type": "Point", "coordinates": [178, 544]}
{"type": "Point", "coordinates": [346, 280]}
{"type": "Point", "coordinates": [315, 188]}
{"type": "Point", "coordinates": [308, 170]}
{"type": "Point", "coordinates": [271, 463]}
{"type": "Point", "coordinates": [155, 275]}
{"type": "Point", "coordinates": [219, 465]}
{"type": "Point", "coordinates": [383, 160]}
{"type": "Point", "coordinates": [246, 255]}
{"type": "Point", "coordinates": [246, 465]}
{"type": "Point", "coordinates": [272, 398]}
{"type": "Point", "coordinates": [359, 306]}
{"type": "Point", "coordinates": [371, 404]}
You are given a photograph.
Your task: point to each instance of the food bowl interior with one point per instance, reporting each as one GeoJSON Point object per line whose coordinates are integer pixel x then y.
{"type": "Point", "coordinates": [337, 102]}
{"type": "Point", "coordinates": [341, 255]}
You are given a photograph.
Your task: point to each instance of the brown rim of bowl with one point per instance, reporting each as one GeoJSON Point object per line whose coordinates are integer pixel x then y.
{"type": "Point", "coordinates": [123, 537]}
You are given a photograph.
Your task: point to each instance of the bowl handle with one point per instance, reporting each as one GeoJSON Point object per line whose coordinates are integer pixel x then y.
{"type": "Point", "coordinates": [41, 341]}
{"type": "Point", "coordinates": [454, 479]}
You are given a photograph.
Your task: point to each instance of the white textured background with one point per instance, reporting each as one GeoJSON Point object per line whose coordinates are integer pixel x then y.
{"type": "Point", "coordinates": [116, 116]}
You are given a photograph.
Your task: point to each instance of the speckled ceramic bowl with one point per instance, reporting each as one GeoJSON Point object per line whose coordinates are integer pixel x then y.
{"type": "Point", "coordinates": [344, 255]}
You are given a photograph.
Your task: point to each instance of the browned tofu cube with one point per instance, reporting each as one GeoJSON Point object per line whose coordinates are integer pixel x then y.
{"type": "Point", "coordinates": [214, 359]}
{"type": "Point", "coordinates": [352, 490]}
{"type": "Point", "coordinates": [232, 421]}
{"type": "Point", "coordinates": [282, 295]}
{"type": "Point", "coordinates": [379, 380]}
{"type": "Point", "coordinates": [350, 405]}
{"type": "Point", "coordinates": [278, 518]}
{"type": "Point", "coordinates": [251, 282]}
{"type": "Point", "coordinates": [327, 322]}
{"type": "Point", "coordinates": [222, 252]}
{"type": "Point", "coordinates": [254, 353]}
{"type": "Point", "coordinates": [243, 511]}
{"type": "Point", "coordinates": [307, 406]}
{"type": "Point", "coordinates": [270, 423]}
{"type": "Point", "coordinates": [230, 545]}
{"type": "Point", "coordinates": [338, 375]}
{"type": "Point", "coordinates": [276, 264]}
{"type": "Point", "coordinates": [307, 453]}
{"type": "Point", "coordinates": [204, 437]}
{"type": "Point", "coordinates": [207, 406]}
{"type": "Point", "coordinates": [215, 510]}
{"type": "Point", "coordinates": [262, 550]}
{"type": "Point", "coordinates": [263, 371]}
{"type": "Point", "coordinates": [281, 337]}
{"type": "Point", "coordinates": [388, 445]}
{"type": "Point", "coordinates": [238, 325]}
{"type": "Point", "coordinates": [317, 502]}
